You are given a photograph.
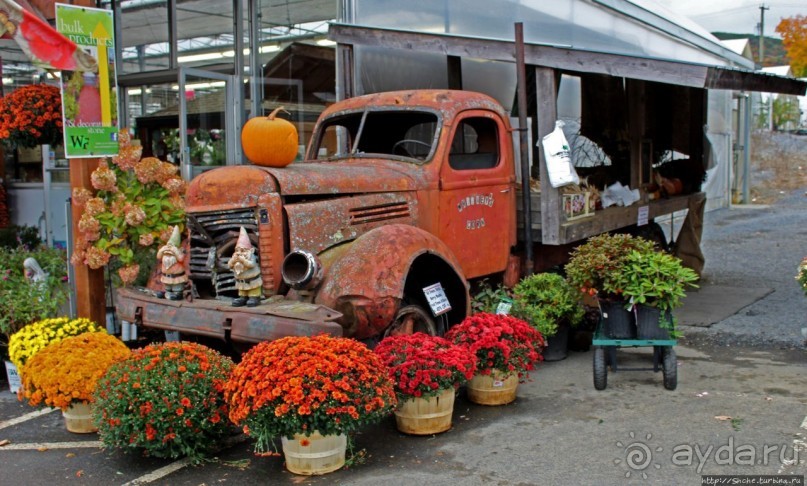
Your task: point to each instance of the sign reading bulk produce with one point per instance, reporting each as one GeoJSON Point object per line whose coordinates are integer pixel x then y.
{"type": "Point", "coordinates": [89, 100]}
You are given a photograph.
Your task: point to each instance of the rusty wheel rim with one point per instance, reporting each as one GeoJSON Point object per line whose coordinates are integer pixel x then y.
{"type": "Point", "coordinates": [411, 319]}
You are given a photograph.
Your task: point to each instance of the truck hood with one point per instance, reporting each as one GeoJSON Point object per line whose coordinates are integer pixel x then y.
{"type": "Point", "coordinates": [364, 176]}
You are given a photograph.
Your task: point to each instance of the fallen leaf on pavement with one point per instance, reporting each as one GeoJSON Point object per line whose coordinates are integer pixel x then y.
{"type": "Point", "coordinates": [42, 449]}
{"type": "Point", "coordinates": [4, 442]}
{"type": "Point", "coordinates": [722, 417]}
{"type": "Point", "coordinates": [79, 473]}
{"type": "Point", "coordinates": [70, 454]}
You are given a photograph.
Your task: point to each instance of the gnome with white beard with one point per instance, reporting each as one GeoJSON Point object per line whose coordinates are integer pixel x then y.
{"type": "Point", "coordinates": [172, 259]}
{"type": "Point", "coordinates": [244, 264]}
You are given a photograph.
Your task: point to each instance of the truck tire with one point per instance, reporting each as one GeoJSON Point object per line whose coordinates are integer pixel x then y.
{"type": "Point", "coordinates": [410, 319]}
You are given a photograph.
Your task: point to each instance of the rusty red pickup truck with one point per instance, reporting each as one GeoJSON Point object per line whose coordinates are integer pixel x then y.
{"type": "Point", "coordinates": [404, 197]}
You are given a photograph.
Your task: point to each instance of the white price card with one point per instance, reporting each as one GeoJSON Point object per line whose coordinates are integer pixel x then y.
{"type": "Point", "coordinates": [644, 212]}
{"type": "Point", "coordinates": [437, 299]}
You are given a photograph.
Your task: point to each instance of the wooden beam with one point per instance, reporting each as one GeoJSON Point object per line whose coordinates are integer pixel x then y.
{"type": "Point", "coordinates": [636, 129]}
{"type": "Point", "coordinates": [546, 97]}
{"type": "Point", "coordinates": [90, 296]}
{"type": "Point", "coordinates": [569, 59]}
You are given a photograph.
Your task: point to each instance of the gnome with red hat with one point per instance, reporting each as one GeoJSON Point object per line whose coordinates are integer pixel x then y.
{"type": "Point", "coordinates": [244, 264]}
{"type": "Point", "coordinates": [173, 267]}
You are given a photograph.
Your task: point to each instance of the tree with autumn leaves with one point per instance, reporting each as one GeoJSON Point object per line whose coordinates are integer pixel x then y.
{"type": "Point", "coordinates": [794, 38]}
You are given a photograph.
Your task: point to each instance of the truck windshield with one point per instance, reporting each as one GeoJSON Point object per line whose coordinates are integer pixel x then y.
{"type": "Point", "coordinates": [401, 134]}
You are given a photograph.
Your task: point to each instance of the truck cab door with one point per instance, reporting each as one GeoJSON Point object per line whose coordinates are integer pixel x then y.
{"type": "Point", "coordinates": [477, 193]}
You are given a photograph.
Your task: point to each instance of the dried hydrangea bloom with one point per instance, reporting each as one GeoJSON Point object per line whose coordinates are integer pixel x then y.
{"type": "Point", "coordinates": [103, 178]}
{"type": "Point", "coordinates": [128, 274]}
{"type": "Point", "coordinates": [166, 171]}
{"type": "Point", "coordinates": [177, 201]}
{"type": "Point", "coordinates": [96, 258]}
{"type": "Point", "coordinates": [134, 215]}
{"type": "Point", "coordinates": [128, 157]}
{"type": "Point", "coordinates": [78, 256]}
{"type": "Point", "coordinates": [124, 138]}
{"type": "Point", "coordinates": [81, 195]}
{"type": "Point", "coordinates": [94, 206]}
{"type": "Point", "coordinates": [89, 224]}
{"type": "Point", "coordinates": [118, 206]}
{"type": "Point", "coordinates": [165, 234]}
{"type": "Point", "coordinates": [174, 185]}
{"type": "Point", "coordinates": [147, 169]}
{"type": "Point", "coordinates": [146, 239]}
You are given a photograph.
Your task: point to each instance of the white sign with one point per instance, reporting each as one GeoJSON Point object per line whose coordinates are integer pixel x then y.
{"type": "Point", "coordinates": [644, 212]}
{"type": "Point", "coordinates": [504, 307]}
{"type": "Point", "coordinates": [437, 299]}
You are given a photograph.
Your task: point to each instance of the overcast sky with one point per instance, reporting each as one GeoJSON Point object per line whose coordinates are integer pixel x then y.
{"type": "Point", "coordinates": [737, 16]}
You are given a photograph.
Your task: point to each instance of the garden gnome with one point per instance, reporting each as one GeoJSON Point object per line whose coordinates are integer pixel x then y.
{"type": "Point", "coordinates": [244, 264]}
{"type": "Point", "coordinates": [173, 269]}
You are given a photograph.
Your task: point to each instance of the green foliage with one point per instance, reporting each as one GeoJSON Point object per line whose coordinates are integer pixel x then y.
{"type": "Point", "coordinates": [24, 302]}
{"type": "Point", "coordinates": [595, 264]}
{"type": "Point", "coordinates": [653, 278]}
{"type": "Point", "coordinates": [14, 236]}
{"type": "Point", "coordinates": [786, 112]}
{"type": "Point", "coordinates": [546, 300]}
{"type": "Point", "coordinates": [801, 275]}
{"type": "Point", "coordinates": [487, 298]}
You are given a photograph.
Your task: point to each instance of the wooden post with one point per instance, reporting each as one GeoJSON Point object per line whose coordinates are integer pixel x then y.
{"type": "Point", "coordinates": [90, 296]}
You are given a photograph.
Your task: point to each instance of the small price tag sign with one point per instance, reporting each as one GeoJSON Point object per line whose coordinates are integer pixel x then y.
{"type": "Point", "coordinates": [437, 299]}
{"type": "Point", "coordinates": [504, 307]}
{"type": "Point", "coordinates": [643, 214]}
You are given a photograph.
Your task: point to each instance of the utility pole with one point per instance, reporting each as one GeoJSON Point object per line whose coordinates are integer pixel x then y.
{"type": "Point", "coordinates": [762, 9]}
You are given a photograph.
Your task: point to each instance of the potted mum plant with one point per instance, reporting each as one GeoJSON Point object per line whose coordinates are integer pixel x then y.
{"type": "Point", "coordinates": [426, 371]}
{"type": "Point", "coordinates": [653, 283]}
{"type": "Point", "coordinates": [505, 347]}
{"type": "Point", "coordinates": [64, 375]}
{"type": "Point", "coordinates": [29, 340]}
{"type": "Point", "coordinates": [165, 400]}
{"type": "Point", "coordinates": [311, 392]}
{"type": "Point", "coordinates": [552, 306]}
{"type": "Point", "coordinates": [592, 269]}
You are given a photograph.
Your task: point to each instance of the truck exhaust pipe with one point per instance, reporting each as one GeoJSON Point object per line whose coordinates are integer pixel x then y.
{"type": "Point", "coordinates": [301, 270]}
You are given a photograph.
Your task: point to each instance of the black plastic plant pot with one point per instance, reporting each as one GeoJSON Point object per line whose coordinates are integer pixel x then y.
{"type": "Point", "coordinates": [618, 322]}
{"type": "Point", "coordinates": [649, 323]}
{"type": "Point", "coordinates": [557, 346]}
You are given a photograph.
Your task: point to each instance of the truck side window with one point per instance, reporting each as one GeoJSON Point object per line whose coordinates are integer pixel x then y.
{"type": "Point", "coordinates": [475, 145]}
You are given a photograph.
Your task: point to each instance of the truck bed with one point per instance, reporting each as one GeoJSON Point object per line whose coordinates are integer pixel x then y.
{"type": "Point", "coordinates": [218, 319]}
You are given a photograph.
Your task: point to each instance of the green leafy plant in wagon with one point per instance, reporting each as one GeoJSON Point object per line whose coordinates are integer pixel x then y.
{"type": "Point", "coordinates": [653, 278]}
{"type": "Point", "coordinates": [594, 265]}
{"type": "Point", "coordinates": [137, 204]}
{"type": "Point", "coordinates": [165, 400]}
{"type": "Point", "coordinates": [546, 300]}
{"type": "Point", "coordinates": [303, 385]}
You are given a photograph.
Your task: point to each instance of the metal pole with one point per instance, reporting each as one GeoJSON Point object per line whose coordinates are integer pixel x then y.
{"type": "Point", "coordinates": [746, 148]}
{"type": "Point", "coordinates": [71, 272]}
{"type": "Point", "coordinates": [521, 73]}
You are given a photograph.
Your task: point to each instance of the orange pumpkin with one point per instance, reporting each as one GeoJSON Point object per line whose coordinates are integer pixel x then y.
{"type": "Point", "coordinates": [269, 141]}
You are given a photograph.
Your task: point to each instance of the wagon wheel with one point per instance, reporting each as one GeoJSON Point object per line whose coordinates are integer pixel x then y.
{"type": "Point", "coordinates": [670, 368]}
{"type": "Point", "coordinates": [600, 369]}
{"type": "Point", "coordinates": [411, 319]}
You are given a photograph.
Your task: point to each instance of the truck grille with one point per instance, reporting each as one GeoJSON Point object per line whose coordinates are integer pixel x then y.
{"type": "Point", "coordinates": [212, 240]}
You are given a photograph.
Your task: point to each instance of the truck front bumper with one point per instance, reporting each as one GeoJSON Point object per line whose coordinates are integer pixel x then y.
{"type": "Point", "coordinates": [218, 319]}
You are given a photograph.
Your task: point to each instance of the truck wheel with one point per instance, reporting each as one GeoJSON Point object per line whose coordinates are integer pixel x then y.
{"type": "Point", "coordinates": [600, 369]}
{"type": "Point", "coordinates": [411, 319]}
{"type": "Point", "coordinates": [670, 368]}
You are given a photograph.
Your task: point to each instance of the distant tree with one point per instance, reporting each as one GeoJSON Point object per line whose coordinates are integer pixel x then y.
{"type": "Point", "coordinates": [794, 37]}
{"type": "Point", "coordinates": [786, 113]}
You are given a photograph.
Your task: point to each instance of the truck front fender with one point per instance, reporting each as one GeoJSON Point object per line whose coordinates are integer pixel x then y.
{"type": "Point", "coordinates": [368, 279]}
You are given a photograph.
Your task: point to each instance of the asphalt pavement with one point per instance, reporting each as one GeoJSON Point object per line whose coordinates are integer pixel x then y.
{"type": "Point", "coordinates": [740, 406]}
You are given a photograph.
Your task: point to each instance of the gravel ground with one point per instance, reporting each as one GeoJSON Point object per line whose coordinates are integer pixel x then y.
{"type": "Point", "coordinates": [758, 246]}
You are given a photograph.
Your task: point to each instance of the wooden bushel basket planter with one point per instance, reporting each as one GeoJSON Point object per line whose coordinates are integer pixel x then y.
{"type": "Point", "coordinates": [425, 416]}
{"type": "Point", "coordinates": [314, 454]}
{"type": "Point", "coordinates": [494, 389]}
{"type": "Point", "coordinates": [78, 418]}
